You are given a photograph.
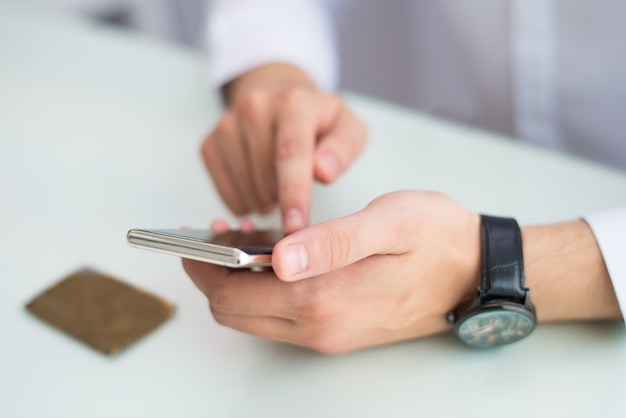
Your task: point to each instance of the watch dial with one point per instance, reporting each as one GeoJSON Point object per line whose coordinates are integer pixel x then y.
{"type": "Point", "coordinates": [488, 329]}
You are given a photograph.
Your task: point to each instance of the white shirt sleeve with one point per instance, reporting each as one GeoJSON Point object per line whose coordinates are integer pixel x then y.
{"type": "Point", "coordinates": [243, 34]}
{"type": "Point", "coordinates": [609, 229]}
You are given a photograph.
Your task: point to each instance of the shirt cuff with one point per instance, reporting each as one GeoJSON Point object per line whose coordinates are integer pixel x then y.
{"type": "Point", "coordinates": [609, 229]}
{"type": "Point", "coordinates": [244, 34]}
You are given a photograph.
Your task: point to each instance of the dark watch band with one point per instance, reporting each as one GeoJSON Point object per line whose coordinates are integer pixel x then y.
{"type": "Point", "coordinates": [502, 260]}
{"type": "Point", "coordinates": [501, 312]}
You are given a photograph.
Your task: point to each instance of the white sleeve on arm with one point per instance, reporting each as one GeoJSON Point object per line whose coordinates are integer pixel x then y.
{"type": "Point", "coordinates": [609, 229]}
{"type": "Point", "coordinates": [243, 34]}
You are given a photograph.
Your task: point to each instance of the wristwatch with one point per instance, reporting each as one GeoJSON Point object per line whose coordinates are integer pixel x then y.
{"type": "Point", "coordinates": [501, 312]}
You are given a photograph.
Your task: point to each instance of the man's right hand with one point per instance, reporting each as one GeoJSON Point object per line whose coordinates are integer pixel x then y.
{"type": "Point", "coordinates": [278, 136]}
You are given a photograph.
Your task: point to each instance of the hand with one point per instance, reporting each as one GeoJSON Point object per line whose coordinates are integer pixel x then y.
{"type": "Point", "coordinates": [371, 278]}
{"type": "Point", "coordinates": [274, 141]}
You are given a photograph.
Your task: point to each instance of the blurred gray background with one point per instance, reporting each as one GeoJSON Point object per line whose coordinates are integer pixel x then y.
{"type": "Point", "coordinates": [372, 59]}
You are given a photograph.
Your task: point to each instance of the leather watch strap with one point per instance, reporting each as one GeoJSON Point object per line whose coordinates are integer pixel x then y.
{"type": "Point", "coordinates": [502, 260]}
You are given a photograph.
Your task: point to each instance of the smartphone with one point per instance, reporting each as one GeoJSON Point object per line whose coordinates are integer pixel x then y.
{"type": "Point", "coordinates": [234, 248]}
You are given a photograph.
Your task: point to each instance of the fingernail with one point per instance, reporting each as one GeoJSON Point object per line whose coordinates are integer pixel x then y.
{"type": "Point", "coordinates": [296, 260]}
{"type": "Point", "coordinates": [293, 220]}
{"type": "Point", "coordinates": [329, 164]}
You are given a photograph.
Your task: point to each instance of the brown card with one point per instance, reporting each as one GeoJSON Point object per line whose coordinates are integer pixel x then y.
{"type": "Point", "coordinates": [101, 310]}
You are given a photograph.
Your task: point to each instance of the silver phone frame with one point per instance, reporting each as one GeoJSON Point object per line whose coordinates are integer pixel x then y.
{"type": "Point", "coordinates": [222, 255]}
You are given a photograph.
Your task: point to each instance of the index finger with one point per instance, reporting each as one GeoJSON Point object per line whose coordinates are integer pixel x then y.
{"type": "Point", "coordinates": [294, 146]}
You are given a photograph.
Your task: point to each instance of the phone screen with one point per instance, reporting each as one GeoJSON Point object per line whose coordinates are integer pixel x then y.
{"type": "Point", "coordinates": [254, 242]}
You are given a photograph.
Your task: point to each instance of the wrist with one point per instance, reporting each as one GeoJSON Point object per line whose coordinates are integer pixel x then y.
{"type": "Point", "coordinates": [566, 273]}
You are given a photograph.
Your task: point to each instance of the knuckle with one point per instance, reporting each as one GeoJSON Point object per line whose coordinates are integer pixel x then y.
{"type": "Point", "coordinates": [318, 313]}
{"type": "Point", "coordinates": [292, 96]}
{"type": "Point", "coordinates": [403, 202]}
{"type": "Point", "coordinates": [316, 304]}
{"type": "Point", "coordinates": [325, 343]}
{"type": "Point", "coordinates": [220, 317]}
{"type": "Point", "coordinates": [289, 146]}
{"type": "Point", "coordinates": [251, 105]}
{"type": "Point", "coordinates": [220, 301]}
{"type": "Point", "coordinates": [340, 246]}
{"type": "Point", "coordinates": [216, 313]}
{"type": "Point", "coordinates": [400, 230]}
{"type": "Point", "coordinates": [321, 314]}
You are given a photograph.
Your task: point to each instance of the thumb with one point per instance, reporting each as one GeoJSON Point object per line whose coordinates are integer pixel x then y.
{"type": "Point", "coordinates": [334, 244]}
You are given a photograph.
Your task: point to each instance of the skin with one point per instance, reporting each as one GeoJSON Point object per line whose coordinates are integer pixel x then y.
{"type": "Point", "coordinates": [357, 282]}
{"type": "Point", "coordinates": [278, 136]}
{"type": "Point", "coordinates": [366, 279]}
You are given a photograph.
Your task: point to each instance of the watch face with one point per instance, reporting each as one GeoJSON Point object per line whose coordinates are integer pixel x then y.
{"type": "Point", "coordinates": [495, 327]}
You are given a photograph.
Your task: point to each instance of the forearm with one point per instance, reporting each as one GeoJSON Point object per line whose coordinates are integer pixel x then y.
{"type": "Point", "coordinates": [566, 274]}
{"type": "Point", "coordinates": [275, 75]}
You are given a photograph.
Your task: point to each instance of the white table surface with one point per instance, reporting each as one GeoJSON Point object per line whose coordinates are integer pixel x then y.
{"type": "Point", "coordinates": [99, 133]}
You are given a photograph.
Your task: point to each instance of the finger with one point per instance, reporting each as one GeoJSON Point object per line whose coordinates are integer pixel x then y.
{"type": "Point", "coordinates": [219, 226]}
{"type": "Point", "coordinates": [247, 225]}
{"type": "Point", "coordinates": [232, 147]}
{"type": "Point", "coordinates": [294, 144]}
{"type": "Point", "coordinates": [215, 162]}
{"type": "Point", "coordinates": [335, 244]}
{"type": "Point", "coordinates": [256, 123]}
{"type": "Point", "coordinates": [339, 146]}
{"type": "Point", "coordinates": [277, 329]}
{"type": "Point", "coordinates": [242, 292]}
